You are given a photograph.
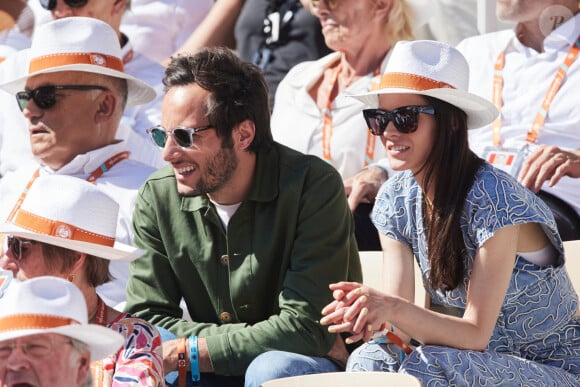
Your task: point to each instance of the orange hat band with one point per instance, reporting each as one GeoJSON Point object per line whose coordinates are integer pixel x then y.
{"type": "Point", "coordinates": [46, 62]}
{"type": "Point", "coordinates": [63, 230]}
{"type": "Point", "coordinates": [412, 82]}
{"type": "Point", "coordinates": [34, 321]}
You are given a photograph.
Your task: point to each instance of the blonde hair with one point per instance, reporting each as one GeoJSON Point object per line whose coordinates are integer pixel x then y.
{"type": "Point", "coordinates": [401, 22]}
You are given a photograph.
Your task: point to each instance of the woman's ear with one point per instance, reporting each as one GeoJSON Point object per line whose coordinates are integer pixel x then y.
{"type": "Point", "coordinates": [383, 7]}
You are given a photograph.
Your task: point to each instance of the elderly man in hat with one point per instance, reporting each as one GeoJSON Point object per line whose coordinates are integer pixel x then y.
{"type": "Point", "coordinates": [136, 120]}
{"type": "Point", "coordinates": [73, 98]}
{"type": "Point", "coordinates": [45, 338]}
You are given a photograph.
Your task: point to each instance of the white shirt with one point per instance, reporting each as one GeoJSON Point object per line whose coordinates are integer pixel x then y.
{"type": "Point", "coordinates": [14, 144]}
{"type": "Point", "coordinates": [297, 122]}
{"type": "Point", "coordinates": [527, 76]}
{"type": "Point", "coordinates": [157, 28]}
{"type": "Point", "coordinates": [121, 183]}
{"type": "Point", "coordinates": [137, 119]}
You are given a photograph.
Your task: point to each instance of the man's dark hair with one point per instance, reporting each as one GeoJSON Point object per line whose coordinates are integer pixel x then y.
{"type": "Point", "coordinates": [238, 91]}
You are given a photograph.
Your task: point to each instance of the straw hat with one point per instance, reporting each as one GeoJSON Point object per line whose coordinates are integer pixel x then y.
{"type": "Point", "coordinates": [433, 69]}
{"type": "Point", "coordinates": [80, 44]}
{"type": "Point", "coordinates": [53, 305]}
{"type": "Point", "coordinates": [72, 213]}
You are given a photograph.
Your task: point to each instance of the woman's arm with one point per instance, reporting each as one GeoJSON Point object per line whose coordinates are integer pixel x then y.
{"type": "Point", "coordinates": [360, 306]}
{"type": "Point", "coordinates": [217, 29]}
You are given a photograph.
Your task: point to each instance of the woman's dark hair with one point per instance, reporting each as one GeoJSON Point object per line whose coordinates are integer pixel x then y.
{"type": "Point", "coordinates": [451, 167]}
{"type": "Point", "coordinates": [238, 91]}
{"type": "Point", "coordinates": [61, 259]}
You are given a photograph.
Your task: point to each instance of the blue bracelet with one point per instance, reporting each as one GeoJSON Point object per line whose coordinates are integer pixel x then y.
{"type": "Point", "coordinates": [194, 358]}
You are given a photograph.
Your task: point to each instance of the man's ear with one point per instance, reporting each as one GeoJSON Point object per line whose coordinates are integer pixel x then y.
{"type": "Point", "coordinates": [84, 368]}
{"type": "Point", "coordinates": [243, 134]}
{"type": "Point", "coordinates": [119, 6]}
{"type": "Point", "coordinates": [107, 106]}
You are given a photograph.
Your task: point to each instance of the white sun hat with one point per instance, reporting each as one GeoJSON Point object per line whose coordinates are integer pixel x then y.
{"type": "Point", "coordinates": [79, 44]}
{"type": "Point", "coordinates": [53, 305]}
{"type": "Point", "coordinates": [434, 69]}
{"type": "Point", "coordinates": [72, 213]}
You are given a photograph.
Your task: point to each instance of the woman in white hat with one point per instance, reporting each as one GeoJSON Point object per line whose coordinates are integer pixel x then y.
{"type": "Point", "coordinates": [312, 113]}
{"type": "Point", "coordinates": [65, 227]}
{"type": "Point", "coordinates": [485, 244]}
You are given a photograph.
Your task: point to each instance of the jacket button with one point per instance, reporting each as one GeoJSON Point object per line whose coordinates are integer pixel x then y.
{"type": "Point", "coordinates": [225, 317]}
{"type": "Point", "coordinates": [224, 259]}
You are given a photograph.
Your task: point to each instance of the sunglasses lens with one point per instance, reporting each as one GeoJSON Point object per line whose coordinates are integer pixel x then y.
{"type": "Point", "coordinates": [76, 3]}
{"type": "Point", "coordinates": [158, 136]}
{"type": "Point", "coordinates": [15, 248]}
{"type": "Point", "coordinates": [48, 4]}
{"type": "Point", "coordinates": [376, 121]}
{"type": "Point", "coordinates": [182, 138]}
{"type": "Point", "coordinates": [44, 97]}
{"type": "Point", "coordinates": [22, 97]}
{"type": "Point", "coordinates": [405, 120]}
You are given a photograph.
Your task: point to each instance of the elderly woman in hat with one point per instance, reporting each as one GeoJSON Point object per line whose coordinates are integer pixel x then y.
{"type": "Point", "coordinates": [484, 243]}
{"type": "Point", "coordinates": [65, 227]}
{"type": "Point", "coordinates": [312, 112]}
{"type": "Point", "coordinates": [45, 338]}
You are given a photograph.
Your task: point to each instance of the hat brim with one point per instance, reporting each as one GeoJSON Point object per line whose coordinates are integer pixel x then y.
{"type": "Point", "coordinates": [119, 252]}
{"type": "Point", "coordinates": [138, 92]}
{"type": "Point", "coordinates": [480, 111]}
{"type": "Point", "coordinates": [102, 341]}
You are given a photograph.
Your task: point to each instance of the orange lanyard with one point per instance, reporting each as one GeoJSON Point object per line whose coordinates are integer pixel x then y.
{"type": "Point", "coordinates": [331, 87]}
{"type": "Point", "coordinates": [540, 118]}
{"type": "Point", "coordinates": [101, 316]}
{"type": "Point", "coordinates": [107, 165]}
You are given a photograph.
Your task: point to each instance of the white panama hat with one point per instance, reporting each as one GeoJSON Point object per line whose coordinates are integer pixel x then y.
{"type": "Point", "coordinates": [433, 69]}
{"type": "Point", "coordinates": [72, 213]}
{"type": "Point", "coordinates": [53, 305]}
{"type": "Point", "coordinates": [79, 44]}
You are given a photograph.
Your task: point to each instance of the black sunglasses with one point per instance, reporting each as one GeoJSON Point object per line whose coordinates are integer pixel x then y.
{"type": "Point", "coordinates": [329, 3]}
{"type": "Point", "coordinates": [51, 4]}
{"type": "Point", "coordinates": [405, 119]}
{"type": "Point", "coordinates": [182, 136]}
{"type": "Point", "coordinates": [45, 96]}
{"type": "Point", "coordinates": [16, 245]}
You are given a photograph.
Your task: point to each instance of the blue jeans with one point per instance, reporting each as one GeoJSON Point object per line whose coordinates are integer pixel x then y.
{"type": "Point", "coordinates": [278, 364]}
{"type": "Point", "coordinates": [267, 366]}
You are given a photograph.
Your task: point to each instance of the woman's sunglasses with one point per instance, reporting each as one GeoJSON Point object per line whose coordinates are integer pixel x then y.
{"type": "Point", "coordinates": [405, 119]}
{"type": "Point", "coordinates": [17, 245]}
{"type": "Point", "coordinates": [329, 3]}
{"type": "Point", "coordinates": [45, 96]}
{"type": "Point", "coordinates": [182, 136]}
{"type": "Point", "coordinates": [51, 4]}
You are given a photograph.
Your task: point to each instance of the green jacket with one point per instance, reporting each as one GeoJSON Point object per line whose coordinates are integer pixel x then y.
{"type": "Point", "coordinates": [259, 286]}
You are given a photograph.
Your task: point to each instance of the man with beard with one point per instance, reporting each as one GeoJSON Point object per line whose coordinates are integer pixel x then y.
{"type": "Point", "coordinates": [249, 232]}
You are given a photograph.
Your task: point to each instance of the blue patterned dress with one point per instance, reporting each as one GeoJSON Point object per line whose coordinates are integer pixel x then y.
{"type": "Point", "coordinates": [536, 341]}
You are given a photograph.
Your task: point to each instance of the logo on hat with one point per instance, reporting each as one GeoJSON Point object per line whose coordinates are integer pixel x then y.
{"type": "Point", "coordinates": [63, 231]}
{"type": "Point", "coordinates": [98, 60]}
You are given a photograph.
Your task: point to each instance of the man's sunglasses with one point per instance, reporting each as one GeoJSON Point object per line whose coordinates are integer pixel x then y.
{"type": "Point", "coordinates": [182, 136]}
{"type": "Point", "coordinates": [51, 4]}
{"type": "Point", "coordinates": [405, 119]}
{"type": "Point", "coordinates": [17, 245]}
{"type": "Point", "coordinates": [45, 96]}
{"type": "Point", "coordinates": [329, 3]}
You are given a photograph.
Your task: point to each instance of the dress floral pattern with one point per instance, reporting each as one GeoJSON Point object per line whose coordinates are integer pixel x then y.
{"type": "Point", "coordinates": [138, 363]}
{"type": "Point", "coordinates": [536, 341]}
